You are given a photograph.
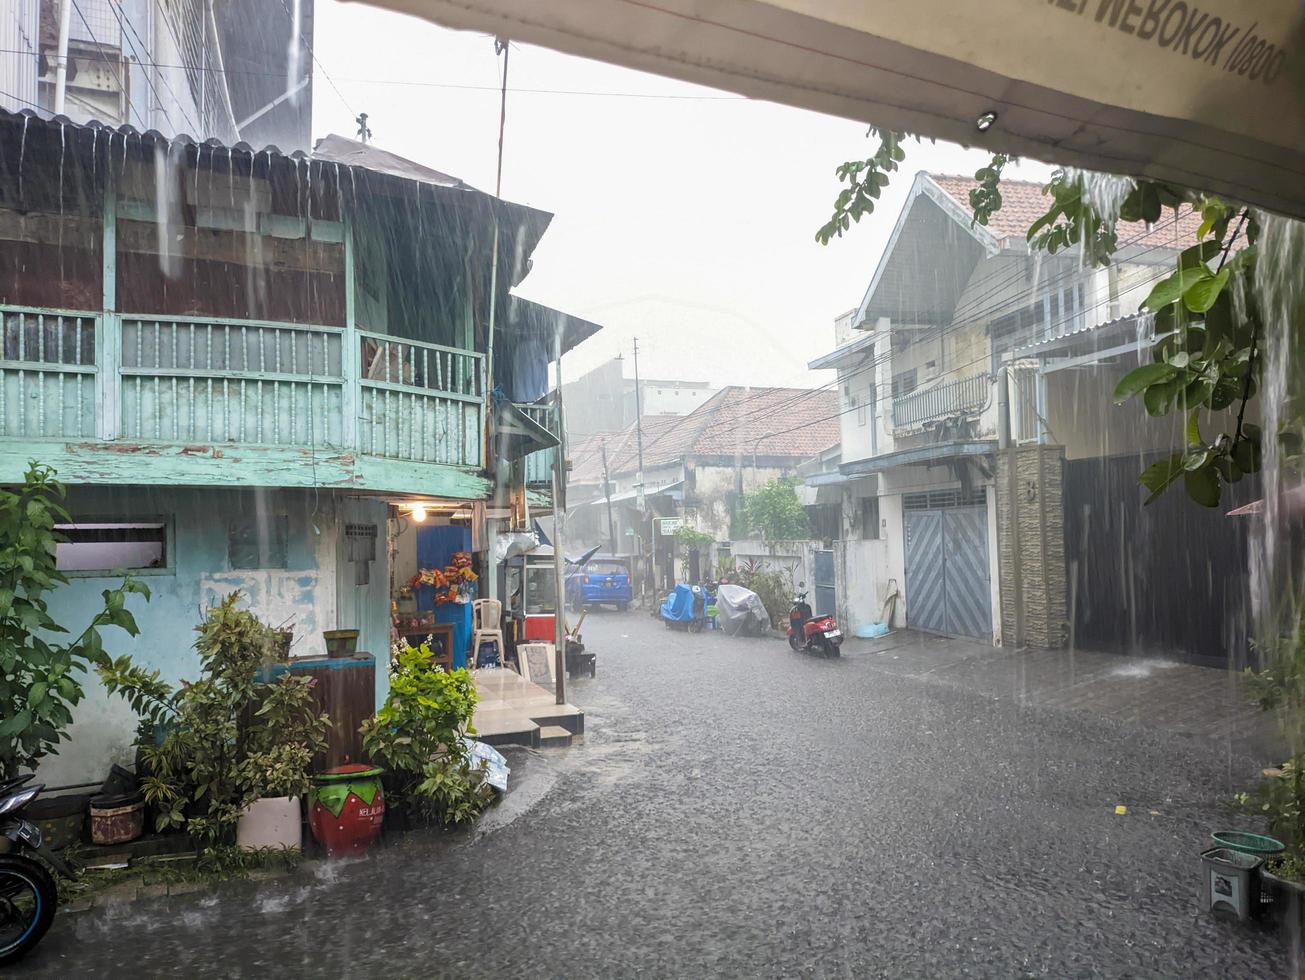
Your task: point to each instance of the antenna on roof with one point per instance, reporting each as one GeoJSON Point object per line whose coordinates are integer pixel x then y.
{"type": "Point", "coordinates": [364, 132]}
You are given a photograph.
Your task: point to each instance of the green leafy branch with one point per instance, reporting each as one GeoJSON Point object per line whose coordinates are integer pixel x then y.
{"type": "Point", "coordinates": [866, 180]}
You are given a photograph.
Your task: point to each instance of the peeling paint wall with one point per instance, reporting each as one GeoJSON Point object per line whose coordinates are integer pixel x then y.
{"type": "Point", "coordinates": [200, 573]}
{"type": "Point", "coordinates": [715, 488]}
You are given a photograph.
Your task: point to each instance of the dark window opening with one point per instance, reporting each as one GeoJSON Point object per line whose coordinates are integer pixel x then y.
{"type": "Point", "coordinates": [112, 545]}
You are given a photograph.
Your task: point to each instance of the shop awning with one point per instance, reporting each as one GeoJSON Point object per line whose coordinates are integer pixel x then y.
{"type": "Point", "coordinates": [943, 452]}
{"type": "Point", "coordinates": [1205, 95]}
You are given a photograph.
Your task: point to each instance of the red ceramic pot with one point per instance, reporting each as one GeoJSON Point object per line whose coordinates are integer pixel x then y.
{"type": "Point", "coordinates": [346, 808]}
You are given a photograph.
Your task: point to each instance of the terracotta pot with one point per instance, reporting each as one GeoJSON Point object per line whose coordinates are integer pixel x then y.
{"type": "Point", "coordinates": [273, 821]}
{"type": "Point", "coordinates": [346, 808]}
{"type": "Point", "coordinates": [117, 820]}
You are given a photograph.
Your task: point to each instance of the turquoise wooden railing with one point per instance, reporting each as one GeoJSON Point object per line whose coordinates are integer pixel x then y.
{"type": "Point", "coordinates": [539, 466]}
{"type": "Point", "coordinates": [202, 380]}
{"type": "Point", "coordinates": [47, 374]}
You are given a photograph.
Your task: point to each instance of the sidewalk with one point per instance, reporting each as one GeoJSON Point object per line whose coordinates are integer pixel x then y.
{"type": "Point", "coordinates": [1154, 693]}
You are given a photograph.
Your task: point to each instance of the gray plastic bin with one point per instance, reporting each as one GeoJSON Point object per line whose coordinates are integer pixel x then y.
{"type": "Point", "coordinates": [1230, 882]}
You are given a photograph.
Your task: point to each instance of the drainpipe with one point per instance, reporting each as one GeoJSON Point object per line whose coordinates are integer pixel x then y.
{"type": "Point", "coordinates": [559, 574]}
{"type": "Point", "coordinates": [61, 57]}
{"type": "Point", "coordinates": [1003, 407]}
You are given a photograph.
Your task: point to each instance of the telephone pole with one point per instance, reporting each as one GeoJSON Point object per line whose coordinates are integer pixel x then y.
{"type": "Point", "coordinates": [607, 492]}
{"type": "Point", "coordinates": [650, 572]}
{"type": "Point", "coordinates": [638, 426]}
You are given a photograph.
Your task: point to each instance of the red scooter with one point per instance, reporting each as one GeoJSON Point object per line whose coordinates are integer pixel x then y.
{"type": "Point", "coordinates": [815, 634]}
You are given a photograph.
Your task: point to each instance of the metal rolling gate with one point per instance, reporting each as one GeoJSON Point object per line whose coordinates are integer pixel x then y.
{"type": "Point", "coordinates": [947, 583]}
{"type": "Point", "coordinates": [826, 602]}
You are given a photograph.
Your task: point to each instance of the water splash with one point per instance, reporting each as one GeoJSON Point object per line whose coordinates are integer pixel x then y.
{"type": "Point", "coordinates": [22, 148]}
{"type": "Point", "coordinates": [1280, 291]}
{"type": "Point", "coordinates": [292, 55]}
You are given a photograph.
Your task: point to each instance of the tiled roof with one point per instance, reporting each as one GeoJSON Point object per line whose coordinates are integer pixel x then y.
{"type": "Point", "coordinates": [735, 420]}
{"type": "Point", "coordinates": [1022, 203]}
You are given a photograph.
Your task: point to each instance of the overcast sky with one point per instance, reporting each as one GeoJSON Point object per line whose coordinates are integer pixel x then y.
{"type": "Point", "coordinates": [684, 216]}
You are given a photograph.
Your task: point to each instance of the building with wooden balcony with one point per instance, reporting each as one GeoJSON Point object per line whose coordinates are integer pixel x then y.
{"type": "Point", "coordinates": [245, 365]}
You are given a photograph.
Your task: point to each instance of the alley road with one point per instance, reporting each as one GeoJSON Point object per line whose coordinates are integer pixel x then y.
{"type": "Point", "coordinates": [740, 810]}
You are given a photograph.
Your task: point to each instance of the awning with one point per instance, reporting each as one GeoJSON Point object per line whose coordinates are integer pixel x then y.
{"type": "Point", "coordinates": [520, 434]}
{"type": "Point", "coordinates": [1202, 94]}
{"type": "Point", "coordinates": [672, 491]}
{"type": "Point", "coordinates": [863, 344]}
{"type": "Point", "coordinates": [943, 452]}
{"type": "Point", "coordinates": [1095, 338]}
{"type": "Point", "coordinates": [536, 321]}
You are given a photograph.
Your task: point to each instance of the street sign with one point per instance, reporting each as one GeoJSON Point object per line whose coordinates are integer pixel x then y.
{"type": "Point", "coordinates": [669, 525]}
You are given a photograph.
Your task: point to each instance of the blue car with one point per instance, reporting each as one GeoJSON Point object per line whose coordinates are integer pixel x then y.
{"type": "Point", "coordinates": [601, 581]}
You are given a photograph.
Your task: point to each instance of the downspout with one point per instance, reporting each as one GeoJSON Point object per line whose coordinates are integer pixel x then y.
{"type": "Point", "coordinates": [61, 57]}
{"type": "Point", "coordinates": [559, 576]}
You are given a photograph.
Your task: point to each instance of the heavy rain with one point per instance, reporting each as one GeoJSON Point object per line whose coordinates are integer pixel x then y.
{"type": "Point", "coordinates": [495, 493]}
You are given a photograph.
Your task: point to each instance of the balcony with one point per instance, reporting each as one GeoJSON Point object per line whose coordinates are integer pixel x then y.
{"type": "Point", "coordinates": [539, 466]}
{"type": "Point", "coordinates": [118, 398]}
{"type": "Point", "coordinates": [968, 396]}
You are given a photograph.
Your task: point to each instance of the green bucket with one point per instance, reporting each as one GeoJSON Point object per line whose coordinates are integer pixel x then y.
{"type": "Point", "coordinates": [1257, 844]}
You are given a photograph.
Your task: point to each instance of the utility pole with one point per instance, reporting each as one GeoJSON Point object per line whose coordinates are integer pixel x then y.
{"type": "Point", "coordinates": [638, 485]}
{"type": "Point", "coordinates": [638, 426]}
{"type": "Point", "coordinates": [607, 492]}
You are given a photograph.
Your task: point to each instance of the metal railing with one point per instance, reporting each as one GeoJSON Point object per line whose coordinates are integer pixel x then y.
{"type": "Point", "coordinates": [964, 397]}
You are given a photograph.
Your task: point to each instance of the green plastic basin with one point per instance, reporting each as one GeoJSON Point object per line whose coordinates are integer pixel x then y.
{"type": "Point", "coordinates": [1240, 840]}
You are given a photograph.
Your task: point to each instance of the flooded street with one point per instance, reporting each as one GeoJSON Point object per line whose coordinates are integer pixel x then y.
{"type": "Point", "coordinates": [737, 809]}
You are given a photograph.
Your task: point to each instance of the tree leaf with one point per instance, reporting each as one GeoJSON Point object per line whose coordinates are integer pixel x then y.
{"type": "Point", "coordinates": [1201, 295]}
{"type": "Point", "coordinates": [1170, 290]}
{"type": "Point", "coordinates": [1160, 474]}
{"type": "Point", "coordinates": [1141, 378]}
{"type": "Point", "coordinates": [1203, 486]}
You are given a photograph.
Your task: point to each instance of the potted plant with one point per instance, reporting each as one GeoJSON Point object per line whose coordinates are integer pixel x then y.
{"type": "Point", "coordinates": [418, 735]}
{"type": "Point", "coordinates": [232, 747]}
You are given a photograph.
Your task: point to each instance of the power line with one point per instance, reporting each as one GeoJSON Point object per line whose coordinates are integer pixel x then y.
{"type": "Point", "coordinates": [126, 25]}
{"type": "Point", "coordinates": [100, 51]}
{"type": "Point", "coordinates": [407, 83]}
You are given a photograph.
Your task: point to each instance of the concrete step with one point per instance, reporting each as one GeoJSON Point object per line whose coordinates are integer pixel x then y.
{"type": "Point", "coordinates": [554, 737]}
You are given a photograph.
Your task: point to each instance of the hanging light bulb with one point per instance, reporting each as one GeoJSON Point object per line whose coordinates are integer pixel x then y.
{"type": "Point", "coordinates": [418, 513]}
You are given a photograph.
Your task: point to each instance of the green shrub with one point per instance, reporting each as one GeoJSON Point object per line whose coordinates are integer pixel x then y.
{"type": "Point", "coordinates": [39, 679]}
{"type": "Point", "coordinates": [417, 736]}
{"type": "Point", "coordinates": [221, 742]}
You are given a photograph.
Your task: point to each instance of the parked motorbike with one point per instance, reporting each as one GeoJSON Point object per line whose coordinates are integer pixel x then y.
{"type": "Point", "coordinates": [740, 611]}
{"type": "Point", "coordinates": [28, 896]}
{"type": "Point", "coordinates": [810, 633]}
{"type": "Point", "coordinates": [685, 608]}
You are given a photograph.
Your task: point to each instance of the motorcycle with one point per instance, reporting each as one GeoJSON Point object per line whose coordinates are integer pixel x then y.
{"type": "Point", "coordinates": [685, 608]}
{"type": "Point", "coordinates": [812, 633]}
{"type": "Point", "coordinates": [28, 896]}
{"type": "Point", "coordinates": [741, 611]}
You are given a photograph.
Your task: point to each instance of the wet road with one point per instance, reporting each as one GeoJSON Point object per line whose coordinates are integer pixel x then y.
{"type": "Point", "coordinates": [740, 810]}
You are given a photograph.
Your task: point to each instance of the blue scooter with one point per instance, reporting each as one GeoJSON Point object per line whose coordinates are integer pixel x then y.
{"type": "Point", "coordinates": [685, 608]}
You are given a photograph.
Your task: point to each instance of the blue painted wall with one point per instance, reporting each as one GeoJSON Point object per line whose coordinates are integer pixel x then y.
{"type": "Point", "coordinates": [316, 590]}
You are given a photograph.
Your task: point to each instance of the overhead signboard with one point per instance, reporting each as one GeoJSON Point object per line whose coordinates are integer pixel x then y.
{"type": "Point", "coordinates": [1208, 94]}
{"type": "Point", "coordinates": [668, 525]}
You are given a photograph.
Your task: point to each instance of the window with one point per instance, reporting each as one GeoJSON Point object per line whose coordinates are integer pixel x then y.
{"type": "Point", "coordinates": [904, 383]}
{"type": "Point", "coordinates": [825, 521]}
{"type": "Point", "coordinates": [869, 518]}
{"type": "Point", "coordinates": [104, 546]}
{"type": "Point", "coordinates": [258, 542]}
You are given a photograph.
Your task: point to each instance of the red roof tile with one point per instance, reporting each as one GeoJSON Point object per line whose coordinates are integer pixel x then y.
{"type": "Point", "coordinates": [1022, 203]}
{"type": "Point", "coordinates": [734, 421]}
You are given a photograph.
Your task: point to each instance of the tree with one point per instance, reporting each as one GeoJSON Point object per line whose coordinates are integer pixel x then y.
{"type": "Point", "coordinates": [774, 512]}
{"type": "Point", "coordinates": [38, 676]}
{"type": "Point", "coordinates": [1208, 322]}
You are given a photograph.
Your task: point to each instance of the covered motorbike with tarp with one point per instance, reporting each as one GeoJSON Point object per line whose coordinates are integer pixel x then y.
{"type": "Point", "coordinates": [740, 611]}
{"type": "Point", "coordinates": [685, 608]}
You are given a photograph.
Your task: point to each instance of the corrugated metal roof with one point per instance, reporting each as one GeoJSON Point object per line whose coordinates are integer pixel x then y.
{"type": "Point", "coordinates": [1067, 337]}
